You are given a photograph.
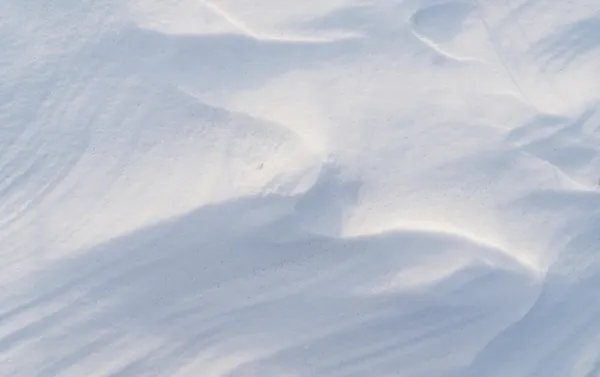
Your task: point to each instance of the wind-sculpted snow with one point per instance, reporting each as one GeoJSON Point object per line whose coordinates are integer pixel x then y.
{"type": "Point", "coordinates": [317, 188]}
{"type": "Point", "coordinates": [274, 301]}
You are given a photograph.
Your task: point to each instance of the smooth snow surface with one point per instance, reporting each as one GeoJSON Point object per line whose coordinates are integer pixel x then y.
{"type": "Point", "coordinates": [296, 188]}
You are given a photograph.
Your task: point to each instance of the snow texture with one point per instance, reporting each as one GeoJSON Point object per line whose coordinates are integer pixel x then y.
{"type": "Point", "coordinates": [299, 188]}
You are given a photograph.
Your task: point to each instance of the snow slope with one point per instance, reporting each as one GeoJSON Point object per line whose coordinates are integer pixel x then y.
{"type": "Point", "coordinates": [299, 188]}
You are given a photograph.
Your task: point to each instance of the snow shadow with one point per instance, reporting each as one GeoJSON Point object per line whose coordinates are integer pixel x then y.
{"type": "Point", "coordinates": [568, 44]}
{"type": "Point", "coordinates": [240, 290]}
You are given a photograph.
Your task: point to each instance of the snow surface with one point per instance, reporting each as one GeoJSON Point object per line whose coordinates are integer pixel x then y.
{"type": "Point", "coordinates": [299, 188]}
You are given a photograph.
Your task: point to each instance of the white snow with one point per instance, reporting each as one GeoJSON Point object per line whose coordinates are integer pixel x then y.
{"type": "Point", "coordinates": [299, 188]}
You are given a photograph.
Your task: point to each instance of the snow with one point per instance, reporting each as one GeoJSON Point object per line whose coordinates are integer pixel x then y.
{"type": "Point", "coordinates": [299, 188]}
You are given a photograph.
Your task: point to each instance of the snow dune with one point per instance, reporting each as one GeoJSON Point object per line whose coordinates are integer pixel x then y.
{"type": "Point", "coordinates": [302, 188]}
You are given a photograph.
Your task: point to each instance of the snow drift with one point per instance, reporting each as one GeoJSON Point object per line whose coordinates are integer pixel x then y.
{"type": "Point", "coordinates": [315, 188]}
